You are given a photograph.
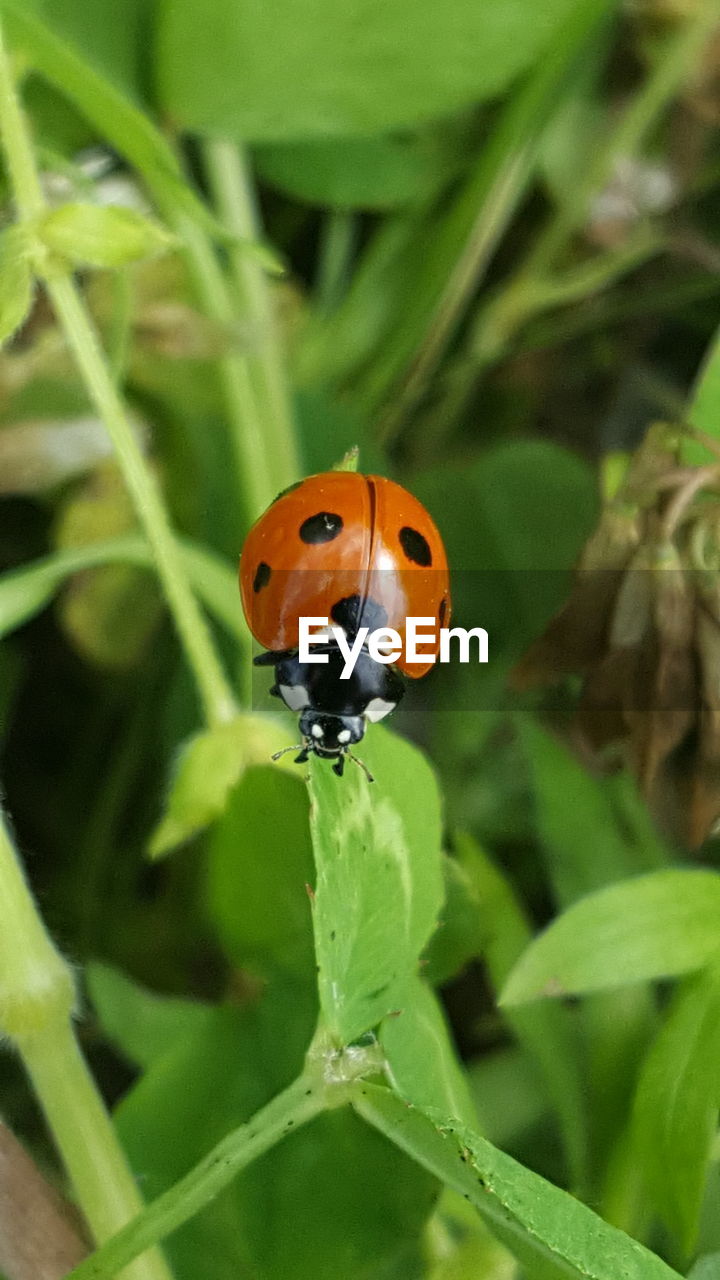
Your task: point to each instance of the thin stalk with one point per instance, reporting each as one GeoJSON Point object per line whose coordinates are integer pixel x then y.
{"type": "Point", "coordinates": [256, 486]}
{"type": "Point", "coordinates": [81, 337]}
{"type": "Point", "coordinates": [337, 245]}
{"type": "Point", "coordinates": [299, 1103]}
{"type": "Point", "coordinates": [232, 188]}
{"type": "Point", "coordinates": [37, 997]}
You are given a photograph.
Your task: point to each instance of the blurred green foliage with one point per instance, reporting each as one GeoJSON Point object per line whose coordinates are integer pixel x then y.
{"type": "Point", "coordinates": [498, 230]}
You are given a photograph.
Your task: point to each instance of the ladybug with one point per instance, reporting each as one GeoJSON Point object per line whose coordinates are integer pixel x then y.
{"type": "Point", "coordinates": [359, 551]}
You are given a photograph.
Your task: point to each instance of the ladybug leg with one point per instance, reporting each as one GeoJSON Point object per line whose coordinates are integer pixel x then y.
{"type": "Point", "coordinates": [339, 766]}
{"type": "Point", "coordinates": [271, 658]}
{"type": "Point", "coordinates": [302, 758]}
{"type": "Point", "coordinates": [275, 692]}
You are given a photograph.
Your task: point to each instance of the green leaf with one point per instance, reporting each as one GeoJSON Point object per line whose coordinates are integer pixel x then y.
{"type": "Point", "coordinates": [570, 802]}
{"type": "Point", "coordinates": [676, 1105]}
{"type": "Point", "coordinates": [209, 765]}
{"type": "Point", "coordinates": [459, 936]}
{"type": "Point", "coordinates": [260, 863]}
{"type": "Point", "coordinates": [422, 1062]}
{"type": "Point", "coordinates": [102, 235]}
{"type": "Point", "coordinates": [546, 1032]}
{"type": "Point", "coordinates": [653, 926]}
{"type": "Point", "coordinates": [519, 568]}
{"type": "Point", "coordinates": [142, 1023]}
{"type": "Point", "coordinates": [379, 880]}
{"type": "Point", "coordinates": [113, 38]}
{"type": "Point", "coordinates": [359, 173]}
{"type": "Point", "coordinates": [706, 1268]}
{"type": "Point", "coordinates": [16, 281]}
{"type": "Point", "coordinates": [704, 407]}
{"type": "Point", "coordinates": [371, 69]}
{"type": "Point", "coordinates": [551, 1233]}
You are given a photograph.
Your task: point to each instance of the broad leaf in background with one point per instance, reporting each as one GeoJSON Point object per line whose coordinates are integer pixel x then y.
{"type": "Point", "coordinates": [589, 838]}
{"type": "Point", "coordinates": [527, 562]}
{"type": "Point", "coordinates": [585, 839]}
{"type": "Point", "coordinates": [703, 410]}
{"type": "Point", "coordinates": [422, 1060]}
{"type": "Point", "coordinates": [114, 37]}
{"type": "Point", "coordinates": [676, 1104]}
{"type": "Point", "coordinates": [547, 1033]}
{"type": "Point", "coordinates": [259, 867]}
{"type": "Point", "coordinates": [219, 69]}
{"type": "Point", "coordinates": [379, 880]}
{"type": "Point", "coordinates": [706, 1268]}
{"type": "Point", "coordinates": [551, 1233]}
{"type": "Point", "coordinates": [460, 936]}
{"type": "Point", "coordinates": [653, 926]}
{"type": "Point", "coordinates": [141, 1023]}
{"type": "Point", "coordinates": [361, 173]}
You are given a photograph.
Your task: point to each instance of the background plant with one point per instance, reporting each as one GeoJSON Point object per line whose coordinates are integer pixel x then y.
{"type": "Point", "coordinates": [487, 257]}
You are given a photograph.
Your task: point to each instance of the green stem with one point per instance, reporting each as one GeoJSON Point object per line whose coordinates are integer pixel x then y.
{"type": "Point", "coordinates": [299, 1103]}
{"type": "Point", "coordinates": [232, 187]}
{"type": "Point", "coordinates": [81, 337]}
{"type": "Point", "coordinates": [337, 245]}
{"type": "Point", "coordinates": [37, 998]}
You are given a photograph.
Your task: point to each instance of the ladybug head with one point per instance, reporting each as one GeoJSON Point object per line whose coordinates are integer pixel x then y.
{"type": "Point", "coordinates": [330, 737]}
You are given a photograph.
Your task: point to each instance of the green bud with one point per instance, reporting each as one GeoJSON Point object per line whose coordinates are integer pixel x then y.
{"type": "Point", "coordinates": [102, 235]}
{"type": "Point", "coordinates": [209, 765]}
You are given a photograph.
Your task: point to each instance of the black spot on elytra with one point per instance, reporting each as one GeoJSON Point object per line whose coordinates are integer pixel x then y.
{"type": "Point", "coordinates": [322, 527]}
{"type": "Point", "coordinates": [442, 611]}
{"type": "Point", "coordinates": [290, 489]}
{"type": "Point", "coordinates": [353, 612]}
{"type": "Point", "coordinates": [263, 573]}
{"type": "Point", "coordinates": [416, 547]}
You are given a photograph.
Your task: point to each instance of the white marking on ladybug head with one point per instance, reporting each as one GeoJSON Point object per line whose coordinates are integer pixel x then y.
{"type": "Point", "coordinates": [344, 735]}
{"type": "Point", "coordinates": [317, 731]}
{"type": "Point", "coordinates": [377, 709]}
{"type": "Point", "coordinates": [295, 696]}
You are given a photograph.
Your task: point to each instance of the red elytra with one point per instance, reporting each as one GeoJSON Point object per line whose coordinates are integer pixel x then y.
{"type": "Point", "coordinates": [341, 545]}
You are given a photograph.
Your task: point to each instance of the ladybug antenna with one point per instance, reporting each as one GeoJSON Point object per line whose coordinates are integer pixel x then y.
{"type": "Point", "coordinates": [277, 754]}
{"type": "Point", "coordinates": [361, 765]}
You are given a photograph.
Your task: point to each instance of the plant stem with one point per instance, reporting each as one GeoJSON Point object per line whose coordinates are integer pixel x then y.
{"type": "Point", "coordinates": [37, 997]}
{"type": "Point", "coordinates": [295, 1106]}
{"type": "Point", "coordinates": [337, 245]}
{"type": "Point", "coordinates": [215, 693]}
{"type": "Point", "coordinates": [232, 187]}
